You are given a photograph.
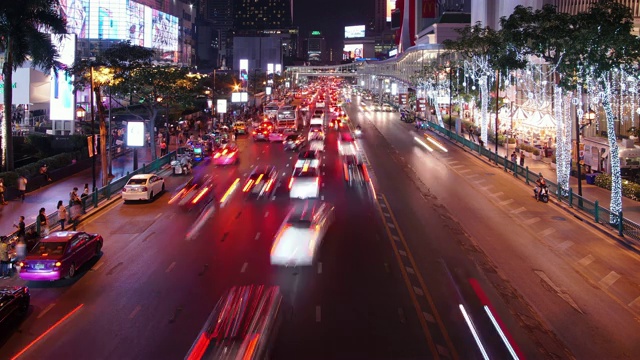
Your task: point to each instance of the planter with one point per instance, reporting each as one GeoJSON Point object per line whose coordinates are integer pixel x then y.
{"type": "Point", "coordinates": [526, 154]}
{"type": "Point", "coordinates": [553, 165]}
{"type": "Point", "coordinates": [511, 146]}
{"type": "Point", "coordinates": [537, 157]}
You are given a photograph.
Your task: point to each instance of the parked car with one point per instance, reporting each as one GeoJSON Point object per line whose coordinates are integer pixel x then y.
{"type": "Point", "coordinates": [142, 187]}
{"type": "Point", "coordinates": [14, 302]}
{"type": "Point", "coordinates": [59, 255]}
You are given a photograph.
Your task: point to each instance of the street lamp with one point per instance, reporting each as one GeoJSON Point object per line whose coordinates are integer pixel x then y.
{"type": "Point", "coordinates": [586, 120]}
{"type": "Point", "coordinates": [80, 112]}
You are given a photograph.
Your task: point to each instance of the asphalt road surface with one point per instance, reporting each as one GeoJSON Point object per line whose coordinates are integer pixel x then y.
{"type": "Point", "coordinates": [410, 272]}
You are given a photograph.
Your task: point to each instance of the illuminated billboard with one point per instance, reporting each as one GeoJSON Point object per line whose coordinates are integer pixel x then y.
{"type": "Point", "coordinates": [278, 69]}
{"type": "Point", "coordinates": [135, 133]}
{"type": "Point", "coordinates": [165, 31]}
{"type": "Point", "coordinates": [391, 5]}
{"type": "Point", "coordinates": [351, 32]}
{"type": "Point", "coordinates": [269, 69]}
{"type": "Point", "coordinates": [76, 12]}
{"type": "Point", "coordinates": [61, 104]}
{"type": "Point", "coordinates": [352, 51]}
{"type": "Point", "coordinates": [244, 72]}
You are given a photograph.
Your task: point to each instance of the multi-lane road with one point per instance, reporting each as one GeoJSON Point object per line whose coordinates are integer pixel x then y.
{"type": "Point", "coordinates": [402, 275]}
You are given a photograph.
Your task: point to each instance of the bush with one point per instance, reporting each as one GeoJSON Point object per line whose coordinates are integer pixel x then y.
{"type": "Point", "coordinates": [535, 152]}
{"type": "Point", "coordinates": [512, 140]}
{"type": "Point", "coordinates": [630, 190]}
{"type": "Point", "coordinates": [53, 163]}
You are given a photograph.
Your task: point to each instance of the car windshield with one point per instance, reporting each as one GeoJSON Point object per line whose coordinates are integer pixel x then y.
{"type": "Point", "coordinates": [49, 248]}
{"type": "Point", "coordinates": [137, 182]}
{"type": "Point", "coordinates": [307, 155]}
{"type": "Point", "coordinates": [301, 223]}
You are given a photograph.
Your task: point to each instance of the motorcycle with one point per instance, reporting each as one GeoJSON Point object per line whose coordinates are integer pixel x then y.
{"type": "Point", "coordinates": [541, 194]}
{"type": "Point", "coordinates": [181, 166]}
{"type": "Point", "coordinates": [357, 132]}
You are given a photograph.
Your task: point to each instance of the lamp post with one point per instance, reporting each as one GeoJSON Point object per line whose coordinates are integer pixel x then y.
{"type": "Point", "coordinates": [588, 117]}
{"type": "Point", "coordinates": [450, 71]}
{"type": "Point", "coordinates": [80, 113]}
{"type": "Point", "coordinates": [93, 134]}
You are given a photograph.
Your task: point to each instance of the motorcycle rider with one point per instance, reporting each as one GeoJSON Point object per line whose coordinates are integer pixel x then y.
{"type": "Point", "coordinates": [185, 162]}
{"type": "Point", "coordinates": [541, 185]}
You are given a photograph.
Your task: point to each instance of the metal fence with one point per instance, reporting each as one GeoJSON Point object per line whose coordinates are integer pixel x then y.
{"type": "Point", "coordinates": [102, 194]}
{"type": "Point", "coordinates": [597, 213]}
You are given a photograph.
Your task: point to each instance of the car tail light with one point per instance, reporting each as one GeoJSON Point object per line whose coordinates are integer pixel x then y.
{"type": "Point", "coordinates": [200, 195]}
{"type": "Point", "coordinates": [265, 132]}
{"type": "Point", "coordinates": [57, 264]}
{"type": "Point", "coordinates": [247, 186]}
{"type": "Point", "coordinates": [290, 183]}
{"type": "Point", "coordinates": [217, 155]}
{"type": "Point", "coordinates": [124, 189]}
{"type": "Point", "coordinates": [22, 264]}
{"type": "Point", "coordinates": [254, 133]}
{"type": "Point", "coordinates": [269, 185]}
{"type": "Point", "coordinates": [144, 188]}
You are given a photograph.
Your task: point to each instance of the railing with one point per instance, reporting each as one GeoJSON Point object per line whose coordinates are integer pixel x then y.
{"type": "Point", "coordinates": [598, 214]}
{"type": "Point", "coordinates": [103, 194]}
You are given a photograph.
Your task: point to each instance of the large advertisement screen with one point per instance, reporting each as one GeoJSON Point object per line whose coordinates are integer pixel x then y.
{"type": "Point", "coordinates": [121, 20]}
{"type": "Point", "coordinates": [61, 104]}
{"type": "Point", "coordinates": [135, 133]}
{"type": "Point", "coordinates": [352, 51]}
{"type": "Point", "coordinates": [244, 73]}
{"type": "Point", "coordinates": [351, 32]}
{"type": "Point", "coordinates": [391, 5]}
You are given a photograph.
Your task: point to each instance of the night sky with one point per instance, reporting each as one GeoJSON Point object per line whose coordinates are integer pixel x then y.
{"type": "Point", "coordinates": [330, 17]}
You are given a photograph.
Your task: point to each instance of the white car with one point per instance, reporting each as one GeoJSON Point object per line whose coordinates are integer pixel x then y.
{"type": "Point", "coordinates": [305, 181]}
{"type": "Point", "coordinates": [277, 135]}
{"type": "Point", "coordinates": [301, 233]}
{"type": "Point", "coordinates": [316, 145]}
{"type": "Point", "coordinates": [142, 187]}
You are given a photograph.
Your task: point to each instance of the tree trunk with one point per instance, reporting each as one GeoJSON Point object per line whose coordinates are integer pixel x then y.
{"type": "Point", "coordinates": [104, 163]}
{"type": "Point", "coordinates": [561, 151]}
{"type": "Point", "coordinates": [484, 96]}
{"type": "Point", "coordinates": [616, 178]}
{"type": "Point", "coordinates": [152, 132]}
{"type": "Point", "coordinates": [567, 140]}
{"type": "Point", "coordinates": [7, 131]}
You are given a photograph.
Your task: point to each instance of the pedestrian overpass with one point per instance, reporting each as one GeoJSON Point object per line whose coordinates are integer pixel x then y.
{"type": "Point", "coordinates": [345, 70]}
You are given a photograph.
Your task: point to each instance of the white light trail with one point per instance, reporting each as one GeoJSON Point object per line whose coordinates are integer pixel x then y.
{"type": "Point", "coordinates": [423, 144]}
{"type": "Point", "coordinates": [501, 333]}
{"type": "Point", "coordinates": [437, 144]}
{"type": "Point", "coordinates": [473, 332]}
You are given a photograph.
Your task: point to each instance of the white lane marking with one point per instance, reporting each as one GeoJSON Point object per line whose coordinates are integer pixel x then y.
{"type": "Point", "coordinates": [457, 166]}
{"type": "Point", "coordinates": [410, 270]}
{"type": "Point", "coordinates": [464, 170]}
{"type": "Point", "coordinates": [323, 184]}
{"type": "Point", "coordinates": [266, 214]}
{"type": "Point", "coordinates": [634, 302]}
{"type": "Point", "coordinates": [472, 176]}
{"type": "Point", "coordinates": [531, 221]}
{"type": "Point", "coordinates": [429, 317]}
{"type": "Point", "coordinates": [517, 211]}
{"type": "Point", "coordinates": [273, 197]}
{"type": "Point", "coordinates": [45, 310]}
{"type": "Point", "coordinates": [173, 264]}
{"type": "Point", "coordinates": [418, 291]}
{"type": "Point", "coordinates": [402, 252]}
{"type": "Point", "coordinates": [322, 197]}
{"type": "Point", "coordinates": [486, 187]}
{"type": "Point", "coordinates": [135, 312]}
{"type": "Point", "coordinates": [157, 216]}
{"type": "Point", "coordinates": [323, 173]}
{"type": "Point", "coordinates": [244, 267]}
{"type": "Point", "coordinates": [547, 232]}
{"type": "Point", "coordinates": [497, 194]}
{"type": "Point", "coordinates": [611, 278]}
{"type": "Point", "coordinates": [98, 266]}
{"type": "Point", "coordinates": [506, 202]}
{"type": "Point", "coordinates": [284, 174]}
{"type": "Point", "coordinates": [391, 226]}
{"type": "Point", "coordinates": [565, 245]}
{"type": "Point", "coordinates": [383, 205]}
{"type": "Point", "coordinates": [319, 268]}
{"type": "Point", "coordinates": [386, 214]}
{"type": "Point", "coordinates": [586, 260]}
{"type": "Point", "coordinates": [318, 314]}
{"type": "Point", "coordinates": [287, 166]}
{"type": "Point", "coordinates": [395, 238]}
{"type": "Point", "coordinates": [257, 236]}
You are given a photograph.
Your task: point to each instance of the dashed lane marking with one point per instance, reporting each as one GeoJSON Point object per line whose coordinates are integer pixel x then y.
{"type": "Point", "coordinates": [98, 266]}
{"type": "Point", "coordinates": [409, 270]}
{"type": "Point", "coordinates": [565, 245]}
{"type": "Point", "coordinates": [244, 267]}
{"type": "Point", "coordinates": [391, 226]}
{"type": "Point", "coordinates": [135, 312]}
{"type": "Point", "coordinates": [518, 211]}
{"type": "Point", "coordinates": [608, 280]}
{"type": "Point", "coordinates": [585, 261]}
{"type": "Point", "coordinates": [634, 303]}
{"type": "Point", "coordinates": [319, 268]}
{"type": "Point", "coordinates": [395, 238]}
{"type": "Point", "coordinates": [497, 194]}
{"type": "Point", "coordinates": [257, 236]}
{"type": "Point", "coordinates": [387, 215]}
{"type": "Point", "coordinates": [266, 214]}
{"type": "Point", "coordinates": [45, 310]}
{"type": "Point", "coordinates": [531, 221]}
{"type": "Point", "coordinates": [318, 314]}
{"type": "Point", "coordinates": [322, 197]}
{"type": "Point", "coordinates": [547, 232]}
{"type": "Point", "coordinates": [173, 264]}
{"type": "Point", "coordinates": [506, 202]}
{"type": "Point", "coordinates": [418, 291]}
{"type": "Point", "coordinates": [429, 317]}
{"type": "Point", "coordinates": [157, 216]}
{"type": "Point", "coordinates": [402, 252]}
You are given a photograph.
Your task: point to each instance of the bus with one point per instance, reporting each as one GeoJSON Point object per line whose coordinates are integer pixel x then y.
{"type": "Point", "coordinates": [271, 110]}
{"type": "Point", "coordinates": [288, 117]}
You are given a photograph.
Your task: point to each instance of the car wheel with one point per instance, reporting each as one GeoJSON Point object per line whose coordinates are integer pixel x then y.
{"type": "Point", "coordinates": [98, 249]}
{"type": "Point", "coordinates": [72, 271]}
{"type": "Point", "coordinates": [151, 196]}
{"type": "Point", "coordinates": [162, 187]}
{"type": "Point", "coordinates": [24, 308]}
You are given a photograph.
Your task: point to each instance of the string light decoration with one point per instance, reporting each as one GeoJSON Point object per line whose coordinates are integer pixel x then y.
{"type": "Point", "coordinates": [616, 178]}
{"type": "Point", "coordinates": [561, 153]}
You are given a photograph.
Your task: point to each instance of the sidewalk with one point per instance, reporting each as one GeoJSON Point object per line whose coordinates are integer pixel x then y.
{"type": "Point", "coordinates": [48, 196]}
{"type": "Point", "coordinates": [630, 208]}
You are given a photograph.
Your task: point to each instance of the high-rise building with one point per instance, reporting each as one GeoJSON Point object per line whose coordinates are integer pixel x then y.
{"type": "Point", "coordinates": [215, 24]}
{"type": "Point", "coordinates": [263, 14]}
{"type": "Point", "coordinates": [316, 48]}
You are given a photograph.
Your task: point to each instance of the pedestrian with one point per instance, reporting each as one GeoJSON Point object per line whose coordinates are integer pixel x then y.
{"type": "Point", "coordinates": [85, 191]}
{"type": "Point", "coordinates": [22, 186]}
{"type": "Point", "coordinates": [44, 171]}
{"type": "Point", "coordinates": [514, 157]}
{"type": "Point", "coordinates": [74, 215]}
{"type": "Point", "coordinates": [21, 227]}
{"type": "Point", "coordinates": [163, 148]}
{"type": "Point", "coordinates": [62, 215]}
{"type": "Point", "coordinates": [2, 188]}
{"type": "Point", "coordinates": [42, 223]}
{"type": "Point", "coordinates": [21, 249]}
{"type": "Point", "coordinates": [73, 197]}
{"type": "Point", "coordinates": [522, 158]}
{"type": "Point", "coordinates": [4, 257]}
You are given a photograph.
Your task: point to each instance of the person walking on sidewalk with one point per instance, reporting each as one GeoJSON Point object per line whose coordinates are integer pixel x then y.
{"type": "Point", "coordinates": [22, 186]}
{"type": "Point", "coordinates": [62, 215]}
{"type": "Point", "coordinates": [74, 215]}
{"type": "Point", "coordinates": [514, 157]}
{"type": "Point", "coordinates": [21, 227]}
{"type": "Point", "coordinates": [2, 188]}
{"type": "Point", "coordinates": [85, 191]}
{"type": "Point", "coordinates": [4, 258]}
{"type": "Point", "coordinates": [42, 224]}
{"type": "Point", "coordinates": [522, 158]}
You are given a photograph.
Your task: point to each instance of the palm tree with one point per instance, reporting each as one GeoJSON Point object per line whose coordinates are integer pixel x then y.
{"type": "Point", "coordinates": [25, 29]}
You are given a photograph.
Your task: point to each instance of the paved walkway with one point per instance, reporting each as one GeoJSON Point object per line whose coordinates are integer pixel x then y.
{"type": "Point", "coordinates": [630, 208]}
{"type": "Point", "coordinates": [48, 196]}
